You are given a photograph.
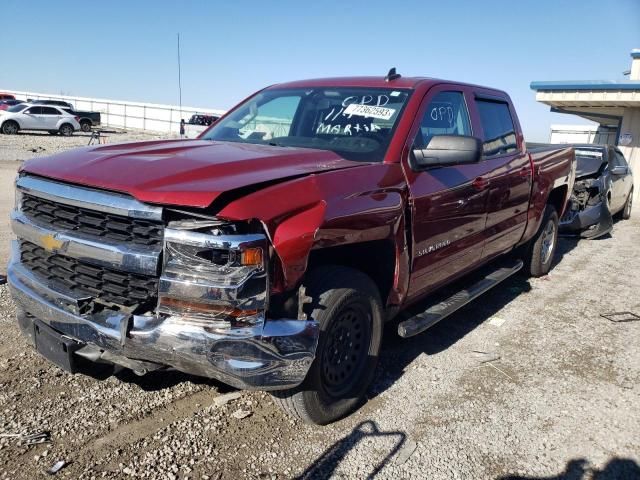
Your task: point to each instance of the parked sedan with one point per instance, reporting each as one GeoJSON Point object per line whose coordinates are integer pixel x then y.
{"type": "Point", "coordinates": [603, 189]}
{"type": "Point", "coordinates": [6, 104]}
{"type": "Point", "coordinates": [35, 117]}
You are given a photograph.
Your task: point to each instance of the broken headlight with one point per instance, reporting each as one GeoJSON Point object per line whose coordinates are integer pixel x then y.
{"type": "Point", "coordinates": [213, 275]}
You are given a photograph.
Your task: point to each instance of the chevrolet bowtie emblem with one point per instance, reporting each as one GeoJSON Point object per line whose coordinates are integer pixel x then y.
{"type": "Point", "coordinates": [50, 243]}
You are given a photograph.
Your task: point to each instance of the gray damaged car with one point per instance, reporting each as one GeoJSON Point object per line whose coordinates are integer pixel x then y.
{"type": "Point", "coordinates": [603, 190]}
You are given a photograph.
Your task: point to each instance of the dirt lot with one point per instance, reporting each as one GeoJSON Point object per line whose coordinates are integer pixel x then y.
{"type": "Point", "coordinates": [559, 400]}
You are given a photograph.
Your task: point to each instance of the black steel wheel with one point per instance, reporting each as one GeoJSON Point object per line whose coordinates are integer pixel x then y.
{"type": "Point", "coordinates": [346, 349]}
{"type": "Point", "coordinates": [346, 303]}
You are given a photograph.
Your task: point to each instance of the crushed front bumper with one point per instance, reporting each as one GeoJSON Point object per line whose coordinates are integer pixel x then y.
{"type": "Point", "coordinates": [274, 354]}
{"type": "Point", "coordinates": [594, 221]}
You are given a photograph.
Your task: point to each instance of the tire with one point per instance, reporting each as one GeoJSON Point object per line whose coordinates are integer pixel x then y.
{"type": "Point", "coordinates": [10, 127]}
{"type": "Point", "coordinates": [85, 126]}
{"type": "Point", "coordinates": [66, 129]}
{"type": "Point", "coordinates": [539, 255]}
{"type": "Point", "coordinates": [346, 304]}
{"type": "Point", "coordinates": [626, 211]}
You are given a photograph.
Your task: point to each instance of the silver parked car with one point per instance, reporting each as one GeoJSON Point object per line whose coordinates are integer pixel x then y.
{"type": "Point", "coordinates": [38, 117]}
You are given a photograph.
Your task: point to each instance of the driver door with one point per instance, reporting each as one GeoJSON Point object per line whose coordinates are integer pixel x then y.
{"type": "Point", "coordinates": [448, 203]}
{"type": "Point", "coordinates": [32, 119]}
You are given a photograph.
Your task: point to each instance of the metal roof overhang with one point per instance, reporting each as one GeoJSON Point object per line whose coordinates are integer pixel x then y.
{"type": "Point", "coordinates": [599, 101]}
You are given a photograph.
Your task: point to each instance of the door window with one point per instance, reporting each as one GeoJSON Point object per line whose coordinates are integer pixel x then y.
{"type": "Point", "coordinates": [50, 111]}
{"type": "Point", "coordinates": [618, 159]}
{"type": "Point", "coordinates": [497, 125]}
{"type": "Point", "coordinates": [446, 114]}
{"type": "Point", "coordinates": [34, 111]}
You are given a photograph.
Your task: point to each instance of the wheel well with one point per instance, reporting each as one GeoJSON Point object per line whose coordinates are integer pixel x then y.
{"type": "Point", "coordinates": [558, 198]}
{"type": "Point", "coordinates": [376, 259]}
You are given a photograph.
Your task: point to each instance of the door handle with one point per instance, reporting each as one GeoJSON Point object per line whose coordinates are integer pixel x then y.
{"type": "Point", "coordinates": [480, 183]}
{"type": "Point", "coordinates": [525, 172]}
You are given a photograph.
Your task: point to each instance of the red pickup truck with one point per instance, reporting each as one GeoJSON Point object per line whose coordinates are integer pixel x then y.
{"type": "Point", "coordinates": [269, 252]}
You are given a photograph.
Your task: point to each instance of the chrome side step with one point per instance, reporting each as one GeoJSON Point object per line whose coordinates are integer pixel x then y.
{"type": "Point", "coordinates": [420, 322]}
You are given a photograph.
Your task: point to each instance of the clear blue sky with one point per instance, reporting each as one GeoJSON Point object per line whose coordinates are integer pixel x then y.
{"type": "Point", "coordinates": [127, 50]}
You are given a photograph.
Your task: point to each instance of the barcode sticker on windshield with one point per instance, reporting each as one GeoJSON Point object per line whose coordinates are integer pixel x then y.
{"type": "Point", "coordinates": [382, 113]}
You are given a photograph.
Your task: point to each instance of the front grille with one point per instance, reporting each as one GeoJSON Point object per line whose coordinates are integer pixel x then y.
{"type": "Point", "coordinates": [129, 290]}
{"type": "Point", "coordinates": [118, 228]}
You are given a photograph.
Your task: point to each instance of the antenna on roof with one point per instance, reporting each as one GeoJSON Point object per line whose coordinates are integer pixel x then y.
{"type": "Point", "coordinates": [392, 75]}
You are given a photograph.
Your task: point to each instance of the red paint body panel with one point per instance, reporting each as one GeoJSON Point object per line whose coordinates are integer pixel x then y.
{"type": "Point", "coordinates": [312, 199]}
{"type": "Point", "coordinates": [188, 173]}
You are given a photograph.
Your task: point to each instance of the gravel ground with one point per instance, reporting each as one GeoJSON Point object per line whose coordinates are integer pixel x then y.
{"type": "Point", "coordinates": [27, 145]}
{"type": "Point", "coordinates": [553, 393]}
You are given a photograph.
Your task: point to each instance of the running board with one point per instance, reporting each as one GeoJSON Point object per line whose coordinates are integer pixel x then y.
{"type": "Point", "coordinates": [420, 322]}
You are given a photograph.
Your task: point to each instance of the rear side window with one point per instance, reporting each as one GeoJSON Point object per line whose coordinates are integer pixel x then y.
{"type": "Point", "coordinates": [446, 114]}
{"type": "Point", "coordinates": [34, 110]}
{"type": "Point", "coordinates": [50, 111]}
{"type": "Point", "coordinates": [497, 124]}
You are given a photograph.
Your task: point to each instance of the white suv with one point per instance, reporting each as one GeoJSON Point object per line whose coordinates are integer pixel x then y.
{"type": "Point", "coordinates": [38, 117]}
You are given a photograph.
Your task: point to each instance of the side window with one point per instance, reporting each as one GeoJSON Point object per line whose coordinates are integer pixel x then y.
{"type": "Point", "coordinates": [499, 132]}
{"type": "Point", "coordinates": [272, 119]}
{"type": "Point", "coordinates": [34, 111]}
{"type": "Point", "coordinates": [446, 114]}
{"type": "Point", "coordinates": [619, 159]}
{"type": "Point", "coordinates": [50, 111]}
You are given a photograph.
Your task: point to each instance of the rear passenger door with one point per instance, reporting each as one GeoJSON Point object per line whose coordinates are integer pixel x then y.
{"type": "Point", "coordinates": [448, 203]}
{"type": "Point", "coordinates": [509, 173]}
{"type": "Point", "coordinates": [50, 117]}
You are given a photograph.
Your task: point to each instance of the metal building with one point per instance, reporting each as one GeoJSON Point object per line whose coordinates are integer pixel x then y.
{"type": "Point", "coordinates": [614, 105]}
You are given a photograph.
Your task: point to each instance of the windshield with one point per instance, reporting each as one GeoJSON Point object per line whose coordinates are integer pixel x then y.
{"type": "Point", "coordinates": [356, 123]}
{"type": "Point", "coordinates": [17, 108]}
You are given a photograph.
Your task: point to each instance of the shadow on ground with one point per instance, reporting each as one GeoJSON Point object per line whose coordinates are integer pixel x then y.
{"type": "Point", "coordinates": [579, 469]}
{"type": "Point", "coordinates": [325, 465]}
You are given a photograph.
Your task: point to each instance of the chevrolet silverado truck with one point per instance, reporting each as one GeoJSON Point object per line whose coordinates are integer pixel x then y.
{"type": "Point", "coordinates": [269, 252]}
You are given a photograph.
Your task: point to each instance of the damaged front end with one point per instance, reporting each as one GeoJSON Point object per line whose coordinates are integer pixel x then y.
{"type": "Point", "coordinates": [106, 278]}
{"type": "Point", "coordinates": [588, 213]}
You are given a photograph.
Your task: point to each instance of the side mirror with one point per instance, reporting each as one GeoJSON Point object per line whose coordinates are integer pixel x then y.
{"type": "Point", "coordinates": [444, 150]}
{"type": "Point", "coordinates": [619, 170]}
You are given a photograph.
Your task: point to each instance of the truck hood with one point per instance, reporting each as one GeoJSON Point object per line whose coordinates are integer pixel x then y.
{"type": "Point", "coordinates": [188, 173]}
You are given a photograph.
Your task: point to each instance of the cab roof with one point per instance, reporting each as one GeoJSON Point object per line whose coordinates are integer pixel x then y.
{"type": "Point", "coordinates": [377, 82]}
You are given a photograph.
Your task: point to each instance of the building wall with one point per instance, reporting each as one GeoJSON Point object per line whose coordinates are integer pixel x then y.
{"type": "Point", "coordinates": [123, 114]}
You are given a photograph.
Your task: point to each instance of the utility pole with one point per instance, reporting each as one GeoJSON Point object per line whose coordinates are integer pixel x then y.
{"type": "Point", "coordinates": [179, 82]}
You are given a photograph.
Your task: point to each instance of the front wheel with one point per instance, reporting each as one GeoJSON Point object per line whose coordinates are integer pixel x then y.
{"type": "Point", "coordinates": [66, 129]}
{"type": "Point", "coordinates": [539, 256]}
{"type": "Point", "coordinates": [346, 304]}
{"type": "Point", "coordinates": [626, 211]}
{"type": "Point", "coordinates": [10, 127]}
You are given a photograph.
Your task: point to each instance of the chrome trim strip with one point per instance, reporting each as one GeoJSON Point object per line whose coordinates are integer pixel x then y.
{"type": "Point", "coordinates": [126, 257]}
{"type": "Point", "coordinates": [184, 288]}
{"type": "Point", "coordinates": [204, 240]}
{"type": "Point", "coordinates": [92, 199]}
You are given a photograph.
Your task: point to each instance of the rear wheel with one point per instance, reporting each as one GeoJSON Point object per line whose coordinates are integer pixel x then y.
{"type": "Point", "coordinates": [66, 129]}
{"type": "Point", "coordinates": [539, 255]}
{"type": "Point", "coordinates": [10, 127]}
{"type": "Point", "coordinates": [346, 303]}
{"type": "Point", "coordinates": [85, 126]}
{"type": "Point", "coordinates": [626, 211]}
